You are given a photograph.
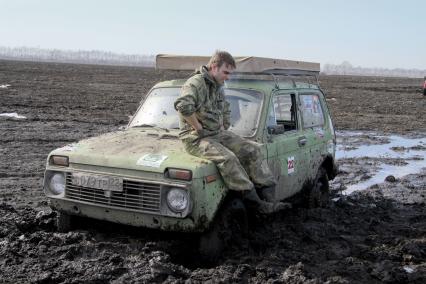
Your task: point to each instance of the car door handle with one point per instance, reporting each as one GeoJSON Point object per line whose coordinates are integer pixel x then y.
{"type": "Point", "coordinates": [302, 141]}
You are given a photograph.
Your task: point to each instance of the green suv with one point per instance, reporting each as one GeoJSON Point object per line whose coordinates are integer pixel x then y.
{"type": "Point", "coordinates": [142, 176]}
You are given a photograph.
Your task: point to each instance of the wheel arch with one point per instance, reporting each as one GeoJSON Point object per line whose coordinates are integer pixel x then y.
{"type": "Point", "coordinates": [330, 167]}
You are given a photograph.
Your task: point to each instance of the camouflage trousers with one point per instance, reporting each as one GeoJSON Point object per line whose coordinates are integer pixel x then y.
{"type": "Point", "coordinates": [239, 161]}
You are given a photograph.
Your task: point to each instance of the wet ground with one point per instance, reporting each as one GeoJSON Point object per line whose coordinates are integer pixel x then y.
{"type": "Point", "coordinates": [373, 232]}
{"type": "Point", "coordinates": [367, 158]}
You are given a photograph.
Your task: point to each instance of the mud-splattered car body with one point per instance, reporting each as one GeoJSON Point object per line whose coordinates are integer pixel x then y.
{"type": "Point", "coordinates": [142, 175]}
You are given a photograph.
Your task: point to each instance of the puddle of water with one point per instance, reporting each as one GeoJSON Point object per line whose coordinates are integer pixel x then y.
{"type": "Point", "coordinates": [415, 158]}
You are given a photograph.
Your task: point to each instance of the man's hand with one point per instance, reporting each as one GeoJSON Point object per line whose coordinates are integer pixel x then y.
{"type": "Point", "coordinates": [205, 133]}
{"type": "Point", "coordinates": [193, 121]}
{"type": "Point", "coordinates": [201, 133]}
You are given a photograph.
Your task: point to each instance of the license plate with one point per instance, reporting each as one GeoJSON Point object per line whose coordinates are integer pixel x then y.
{"type": "Point", "coordinates": [98, 181]}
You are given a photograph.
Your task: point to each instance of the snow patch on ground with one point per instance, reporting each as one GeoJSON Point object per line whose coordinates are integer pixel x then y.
{"type": "Point", "coordinates": [408, 269]}
{"type": "Point", "coordinates": [380, 148]}
{"type": "Point", "coordinates": [12, 115]}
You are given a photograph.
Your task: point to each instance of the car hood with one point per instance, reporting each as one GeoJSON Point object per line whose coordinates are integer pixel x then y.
{"type": "Point", "coordinates": [136, 149]}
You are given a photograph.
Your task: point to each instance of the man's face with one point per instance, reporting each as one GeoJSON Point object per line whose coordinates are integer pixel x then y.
{"type": "Point", "coordinates": [222, 73]}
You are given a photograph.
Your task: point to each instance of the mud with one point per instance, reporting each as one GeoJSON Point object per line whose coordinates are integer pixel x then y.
{"type": "Point", "coordinates": [375, 235]}
{"type": "Point", "coordinates": [368, 158]}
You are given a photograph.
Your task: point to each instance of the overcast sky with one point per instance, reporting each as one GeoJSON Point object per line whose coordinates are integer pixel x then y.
{"type": "Point", "coordinates": [368, 33]}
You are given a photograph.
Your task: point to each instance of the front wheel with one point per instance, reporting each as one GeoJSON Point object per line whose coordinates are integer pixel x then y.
{"type": "Point", "coordinates": [229, 228]}
{"type": "Point", "coordinates": [65, 222]}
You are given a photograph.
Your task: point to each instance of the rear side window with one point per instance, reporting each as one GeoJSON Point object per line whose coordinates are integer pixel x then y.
{"type": "Point", "coordinates": [283, 112]}
{"type": "Point", "coordinates": [312, 112]}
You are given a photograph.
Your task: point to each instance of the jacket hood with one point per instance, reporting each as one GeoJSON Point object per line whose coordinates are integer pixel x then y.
{"type": "Point", "coordinates": [204, 71]}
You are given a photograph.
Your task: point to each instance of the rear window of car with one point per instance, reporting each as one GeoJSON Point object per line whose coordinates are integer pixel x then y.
{"type": "Point", "coordinates": [312, 112]}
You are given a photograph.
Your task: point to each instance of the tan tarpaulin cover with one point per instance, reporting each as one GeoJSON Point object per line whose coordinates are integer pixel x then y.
{"type": "Point", "coordinates": [248, 64]}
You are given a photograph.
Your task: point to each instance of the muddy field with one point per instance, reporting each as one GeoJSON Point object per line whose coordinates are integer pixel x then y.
{"type": "Point", "coordinates": [370, 236]}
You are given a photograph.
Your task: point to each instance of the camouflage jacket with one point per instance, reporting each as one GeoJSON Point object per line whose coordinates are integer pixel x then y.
{"type": "Point", "coordinates": [203, 96]}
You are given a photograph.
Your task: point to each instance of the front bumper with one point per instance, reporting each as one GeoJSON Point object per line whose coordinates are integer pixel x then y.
{"type": "Point", "coordinates": [126, 217]}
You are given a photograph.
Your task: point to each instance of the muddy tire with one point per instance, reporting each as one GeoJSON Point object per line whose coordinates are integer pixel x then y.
{"type": "Point", "coordinates": [64, 222]}
{"type": "Point", "coordinates": [319, 194]}
{"type": "Point", "coordinates": [229, 228]}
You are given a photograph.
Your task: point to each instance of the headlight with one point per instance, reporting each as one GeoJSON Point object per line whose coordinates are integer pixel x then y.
{"type": "Point", "coordinates": [57, 183]}
{"type": "Point", "coordinates": [177, 199]}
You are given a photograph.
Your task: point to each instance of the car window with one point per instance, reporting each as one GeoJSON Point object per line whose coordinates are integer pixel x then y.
{"type": "Point", "coordinates": [283, 112]}
{"type": "Point", "coordinates": [245, 108]}
{"type": "Point", "coordinates": [312, 112]}
{"type": "Point", "coordinates": [158, 110]}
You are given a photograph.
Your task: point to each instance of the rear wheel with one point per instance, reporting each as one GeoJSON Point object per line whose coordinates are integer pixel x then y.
{"type": "Point", "coordinates": [319, 195]}
{"type": "Point", "coordinates": [229, 228]}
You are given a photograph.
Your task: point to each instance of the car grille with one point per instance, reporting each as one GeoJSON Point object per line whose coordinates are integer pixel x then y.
{"type": "Point", "coordinates": [141, 196]}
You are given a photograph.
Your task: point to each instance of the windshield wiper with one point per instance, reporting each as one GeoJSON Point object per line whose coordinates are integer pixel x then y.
{"type": "Point", "coordinates": [145, 125]}
{"type": "Point", "coordinates": [152, 126]}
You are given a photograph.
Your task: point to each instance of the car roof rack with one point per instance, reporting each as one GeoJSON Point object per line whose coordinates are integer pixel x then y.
{"type": "Point", "coordinates": [245, 65]}
{"type": "Point", "coordinates": [290, 74]}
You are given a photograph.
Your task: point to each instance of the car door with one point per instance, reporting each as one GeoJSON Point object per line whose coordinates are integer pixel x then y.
{"type": "Point", "coordinates": [314, 127]}
{"type": "Point", "coordinates": [287, 157]}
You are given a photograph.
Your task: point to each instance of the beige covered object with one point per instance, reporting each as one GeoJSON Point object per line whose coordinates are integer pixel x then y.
{"type": "Point", "coordinates": [249, 64]}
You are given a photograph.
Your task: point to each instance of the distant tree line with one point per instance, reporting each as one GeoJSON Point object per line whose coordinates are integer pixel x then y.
{"type": "Point", "coordinates": [80, 56]}
{"type": "Point", "coordinates": [110, 58]}
{"type": "Point", "coordinates": [347, 69]}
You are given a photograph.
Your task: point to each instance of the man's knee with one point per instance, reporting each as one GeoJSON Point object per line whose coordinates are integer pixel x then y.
{"type": "Point", "coordinates": [251, 149]}
{"type": "Point", "coordinates": [248, 153]}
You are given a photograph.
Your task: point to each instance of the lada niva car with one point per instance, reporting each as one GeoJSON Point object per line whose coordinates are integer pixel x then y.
{"type": "Point", "coordinates": [142, 176]}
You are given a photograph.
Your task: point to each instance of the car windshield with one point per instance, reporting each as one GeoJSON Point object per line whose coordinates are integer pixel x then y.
{"type": "Point", "coordinates": [158, 110]}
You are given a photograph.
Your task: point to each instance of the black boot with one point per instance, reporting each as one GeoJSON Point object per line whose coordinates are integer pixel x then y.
{"type": "Point", "coordinates": [252, 200]}
{"type": "Point", "coordinates": [267, 193]}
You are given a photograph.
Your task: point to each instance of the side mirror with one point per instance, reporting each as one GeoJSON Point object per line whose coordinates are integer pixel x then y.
{"type": "Point", "coordinates": [276, 129]}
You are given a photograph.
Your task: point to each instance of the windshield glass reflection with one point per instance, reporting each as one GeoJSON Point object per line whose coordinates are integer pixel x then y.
{"type": "Point", "coordinates": [158, 110]}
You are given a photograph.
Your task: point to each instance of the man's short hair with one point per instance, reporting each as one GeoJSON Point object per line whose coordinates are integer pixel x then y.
{"type": "Point", "coordinates": [220, 57]}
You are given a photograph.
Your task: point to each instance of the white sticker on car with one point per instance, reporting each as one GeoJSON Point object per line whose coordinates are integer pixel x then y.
{"type": "Point", "coordinates": [290, 165]}
{"type": "Point", "coordinates": [151, 160]}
